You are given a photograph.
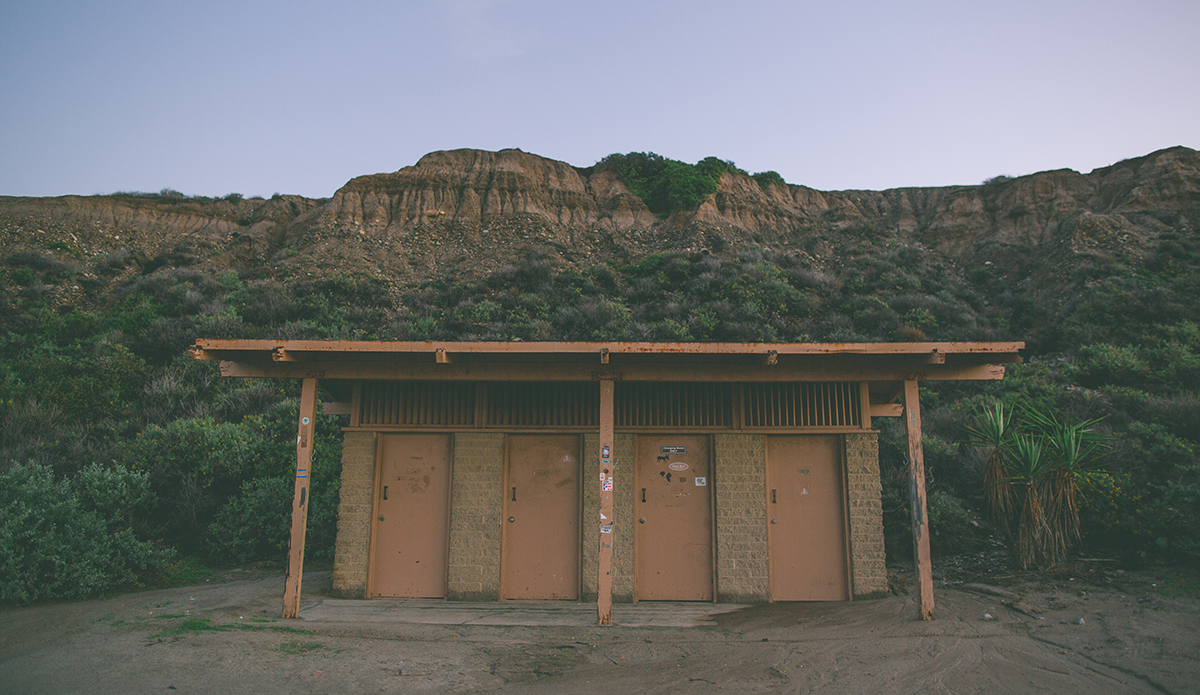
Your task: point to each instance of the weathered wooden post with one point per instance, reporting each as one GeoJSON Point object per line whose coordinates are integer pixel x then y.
{"type": "Point", "coordinates": [304, 444]}
{"type": "Point", "coordinates": [606, 459]}
{"type": "Point", "coordinates": [920, 519]}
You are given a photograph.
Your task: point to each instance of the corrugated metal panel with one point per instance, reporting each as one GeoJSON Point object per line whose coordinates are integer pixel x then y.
{"type": "Point", "coordinates": [832, 404]}
{"type": "Point", "coordinates": [418, 403]}
{"type": "Point", "coordinates": [543, 404]}
{"type": "Point", "coordinates": [519, 405]}
{"type": "Point", "coordinates": [673, 405]}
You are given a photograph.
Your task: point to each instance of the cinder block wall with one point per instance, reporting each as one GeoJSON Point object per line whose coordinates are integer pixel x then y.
{"type": "Point", "coordinates": [740, 485]}
{"type": "Point", "coordinates": [476, 487]}
{"type": "Point", "coordinates": [351, 557]}
{"type": "Point", "coordinates": [623, 518]}
{"type": "Point", "coordinates": [866, 515]}
{"type": "Point", "coordinates": [590, 538]}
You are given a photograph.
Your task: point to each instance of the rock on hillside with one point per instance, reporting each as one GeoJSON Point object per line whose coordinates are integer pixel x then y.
{"type": "Point", "coordinates": [465, 212]}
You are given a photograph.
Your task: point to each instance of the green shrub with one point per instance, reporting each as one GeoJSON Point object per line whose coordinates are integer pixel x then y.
{"type": "Point", "coordinates": [667, 185]}
{"type": "Point", "coordinates": [769, 178]}
{"type": "Point", "coordinates": [193, 466]}
{"type": "Point", "coordinates": [951, 529]}
{"type": "Point", "coordinates": [254, 525]}
{"type": "Point", "coordinates": [54, 544]}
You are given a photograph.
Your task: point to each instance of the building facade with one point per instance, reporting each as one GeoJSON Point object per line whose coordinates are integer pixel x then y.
{"type": "Point", "coordinates": [611, 471]}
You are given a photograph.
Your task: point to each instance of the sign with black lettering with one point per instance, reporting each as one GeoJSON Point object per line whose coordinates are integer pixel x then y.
{"type": "Point", "coordinates": [674, 449]}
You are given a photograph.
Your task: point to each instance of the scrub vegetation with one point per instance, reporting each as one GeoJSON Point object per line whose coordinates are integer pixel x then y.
{"type": "Point", "coordinates": [124, 462]}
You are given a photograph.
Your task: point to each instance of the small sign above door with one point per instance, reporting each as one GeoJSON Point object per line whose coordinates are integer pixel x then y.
{"type": "Point", "coordinates": [674, 449]}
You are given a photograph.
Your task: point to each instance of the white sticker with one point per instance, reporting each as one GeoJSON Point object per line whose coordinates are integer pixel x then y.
{"type": "Point", "coordinates": [304, 421]}
{"type": "Point", "coordinates": [602, 517]}
{"type": "Point", "coordinates": [701, 482]}
{"type": "Point", "coordinates": [605, 529]}
{"type": "Point", "coordinates": [607, 486]}
{"type": "Point", "coordinates": [678, 466]}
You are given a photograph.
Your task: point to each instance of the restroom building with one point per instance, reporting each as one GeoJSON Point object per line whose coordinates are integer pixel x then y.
{"type": "Point", "coordinates": [606, 472]}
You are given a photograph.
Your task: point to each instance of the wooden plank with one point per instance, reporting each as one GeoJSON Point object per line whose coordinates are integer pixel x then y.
{"type": "Point", "coordinates": [304, 441]}
{"type": "Point", "coordinates": [607, 468]}
{"type": "Point", "coordinates": [887, 409]}
{"type": "Point", "coordinates": [864, 404]}
{"type": "Point", "coordinates": [833, 369]}
{"type": "Point", "coordinates": [296, 347]}
{"type": "Point", "coordinates": [920, 519]}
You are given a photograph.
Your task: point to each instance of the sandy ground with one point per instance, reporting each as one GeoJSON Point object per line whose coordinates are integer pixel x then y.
{"type": "Point", "coordinates": [1052, 635]}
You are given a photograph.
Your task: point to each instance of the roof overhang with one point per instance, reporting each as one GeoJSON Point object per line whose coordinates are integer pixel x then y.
{"type": "Point", "coordinates": [619, 361]}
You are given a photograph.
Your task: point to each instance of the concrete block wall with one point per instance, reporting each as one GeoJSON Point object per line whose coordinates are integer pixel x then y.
{"type": "Point", "coordinates": [351, 557]}
{"type": "Point", "coordinates": [864, 492]}
{"type": "Point", "coordinates": [739, 481]}
{"type": "Point", "coordinates": [476, 486]}
{"type": "Point", "coordinates": [589, 529]}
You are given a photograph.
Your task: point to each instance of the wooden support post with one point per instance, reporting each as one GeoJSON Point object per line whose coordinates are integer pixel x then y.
{"type": "Point", "coordinates": [920, 519]}
{"type": "Point", "coordinates": [304, 443]}
{"type": "Point", "coordinates": [607, 468]}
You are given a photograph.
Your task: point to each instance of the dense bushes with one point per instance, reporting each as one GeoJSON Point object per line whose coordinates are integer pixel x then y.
{"type": "Point", "coordinates": [1117, 340]}
{"type": "Point", "coordinates": [72, 539]}
{"type": "Point", "coordinates": [668, 185]}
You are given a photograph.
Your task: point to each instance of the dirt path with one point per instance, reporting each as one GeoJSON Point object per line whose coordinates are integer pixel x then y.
{"type": "Point", "coordinates": [224, 637]}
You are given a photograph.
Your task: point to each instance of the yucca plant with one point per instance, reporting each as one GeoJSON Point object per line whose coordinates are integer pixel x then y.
{"type": "Point", "coordinates": [1032, 477]}
{"type": "Point", "coordinates": [1072, 449]}
{"type": "Point", "coordinates": [1028, 466]}
{"type": "Point", "coordinates": [992, 429]}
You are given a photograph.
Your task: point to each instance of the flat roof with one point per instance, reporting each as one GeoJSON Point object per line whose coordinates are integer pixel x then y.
{"type": "Point", "coordinates": [631, 361]}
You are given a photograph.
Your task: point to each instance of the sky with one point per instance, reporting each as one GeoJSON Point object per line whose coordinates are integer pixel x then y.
{"type": "Point", "coordinates": [261, 96]}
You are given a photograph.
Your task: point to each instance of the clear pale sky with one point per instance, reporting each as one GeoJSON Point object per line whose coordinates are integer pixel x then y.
{"type": "Point", "coordinates": [259, 97]}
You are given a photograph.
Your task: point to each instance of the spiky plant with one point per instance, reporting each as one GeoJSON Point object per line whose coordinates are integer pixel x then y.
{"type": "Point", "coordinates": [992, 430]}
{"type": "Point", "coordinates": [1028, 464]}
{"type": "Point", "coordinates": [1072, 449]}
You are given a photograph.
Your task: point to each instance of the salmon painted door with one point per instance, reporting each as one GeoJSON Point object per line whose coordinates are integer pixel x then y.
{"type": "Point", "coordinates": [673, 506]}
{"type": "Point", "coordinates": [806, 530]}
{"type": "Point", "coordinates": [540, 558]}
{"type": "Point", "coordinates": [412, 519]}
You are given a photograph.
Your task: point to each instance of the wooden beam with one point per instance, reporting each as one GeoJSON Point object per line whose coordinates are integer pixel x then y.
{"type": "Point", "coordinates": [210, 348]}
{"type": "Point", "coordinates": [337, 408]}
{"type": "Point", "coordinates": [887, 409]}
{"type": "Point", "coordinates": [830, 369]}
{"type": "Point", "coordinates": [607, 467]}
{"type": "Point", "coordinates": [920, 519]}
{"type": "Point", "coordinates": [304, 442]}
{"type": "Point", "coordinates": [864, 404]}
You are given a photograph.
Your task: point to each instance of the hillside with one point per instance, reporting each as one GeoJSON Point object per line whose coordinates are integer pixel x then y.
{"type": "Point", "coordinates": [462, 214]}
{"type": "Point", "coordinates": [100, 296]}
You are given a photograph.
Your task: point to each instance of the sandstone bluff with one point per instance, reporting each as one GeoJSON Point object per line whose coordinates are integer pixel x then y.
{"type": "Point", "coordinates": [464, 213]}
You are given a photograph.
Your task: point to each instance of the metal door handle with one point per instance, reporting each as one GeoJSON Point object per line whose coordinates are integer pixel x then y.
{"type": "Point", "coordinates": [385, 492]}
{"type": "Point", "coordinates": [772, 497]}
{"type": "Point", "coordinates": [514, 495]}
{"type": "Point", "coordinates": [643, 494]}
